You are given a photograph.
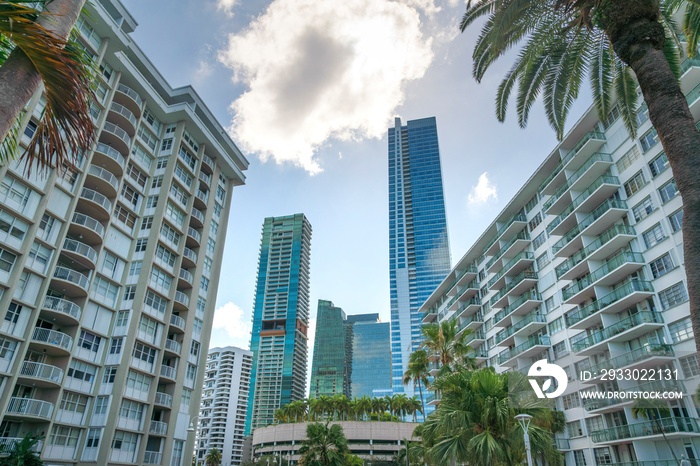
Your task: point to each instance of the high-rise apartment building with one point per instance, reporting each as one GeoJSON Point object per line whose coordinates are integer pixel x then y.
{"type": "Point", "coordinates": [584, 268]}
{"type": "Point", "coordinates": [280, 318]}
{"type": "Point", "coordinates": [109, 270]}
{"type": "Point", "coordinates": [371, 356]}
{"type": "Point", "coordinates": [419, 252]}
{"type": "Point", "coordinates": [331, 368]}
{"type": "Point", "coordinates": [224, 402]}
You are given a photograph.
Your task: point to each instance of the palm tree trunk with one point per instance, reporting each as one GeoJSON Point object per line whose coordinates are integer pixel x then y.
{"type": "Point", "coordinates": [420, 390]}
{"type": "Point", "coordinates": [658, 424]}
{"type": "Point", "coordinates": [19, 79]}
{"type": "Point", "coordinates": [638, 39]}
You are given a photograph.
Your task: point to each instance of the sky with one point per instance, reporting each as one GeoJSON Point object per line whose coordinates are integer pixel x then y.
{"type": "Point", "coordinates": [307, 90]}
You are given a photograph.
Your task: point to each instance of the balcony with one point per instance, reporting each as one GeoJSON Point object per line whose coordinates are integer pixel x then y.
{"type": "Point", "coordinates": [109, 158]}
{"type": "Point", "coordinates": [128, 97]}
{"type": "Point", "coordinates": [8, 445]}
{"type": "Point", "coordinates": [54, 343]}
{"type": "Point", "coordinates": [465, 294]}
{"type": "Point", "coordinates": [562, 444]}
{"type": "Point", "coordinates": [472, 322]}
{"type": "Point", "coordinates": [30, 408]}
{"type": "Point", "coordinates": [524, 327]}
{"type": "Point", "coordinates": [95, 205]}
{"type": "Point", "coordinates": [611, 240]}
{"type": "Point", "coordinates": [200, 199]}
{"type": "Point", "coordinates": [178, 322]}
{"type": "Point", "coordinates": [185, 279]}
{"type": "Point", "coordinates": [645, 356]}
{"type": "Point", "coordinates": [595, 166]}
{"type": "Point", "coordinates": [208, 163]}
{"type": "Point", "coordinates": [670, 428]}
{"type": "Point", "coordinates": [429, 316]}
{"type": "Point", "coordinates": [80, 252]}
{"type": "Point", "coordinates": [533, 345]}
{"type": "Point", "coordinates": [510, 227]}
{"type": "Point", "coordinates": [181, 301]}
{"type": "Point", "coordinates": [123, 117]}
{"type": "Point", "coordinates": [626, 329]}
{"type": "Point", "coordinates": [173, 346]}
{"type": "Point", "coordinates": [613, 271]}
{"type": "Point", "coordinates": [163, 399]}
{"type": "Point", "coordinates": [189, 258]}
{"type": "Point", "coordinates": [168, 372]}
{"type": "Point", "coordinates": [511, 249]}
{"type": "Point", "coordinates": [194, 238]}
{"type": "Point", "coordinates": [158, 428]}
{"type": "Point", "coordinates": [514, 266]}
{"type": "Point", "coordinates": [197, 218]}
{"type": "Point", "coordinates": [468, 307]}
{"type": "Point", "coordinates": [152, 457]}
{"type": "Point", "coordinates": [590, 143]}
{"type": "Point", "coordinates": [521, 306]}
{"type": "Point", "coordinates": [475, 339]}
{"type": "Point", "coordinates": [607, 405]}
{"type": "Point", "coordinates": [114, 136]}
{"type": "Point", "coordinates": [90, 229]}
{"type": "Point", "coordinates": [102, 181]}
{"type": "Point", "coordinates": [61, 311]}
{"type": "Point", "coordinates": [41, 375]}
{"type": "Point", "coordinates": [519, 284]}
{"type": "Point", "coordinates": [74, 283]}
{"type": "Point", "coordinates": [463, 277]}
{"type": "Point", "coordinates": [630, 293]}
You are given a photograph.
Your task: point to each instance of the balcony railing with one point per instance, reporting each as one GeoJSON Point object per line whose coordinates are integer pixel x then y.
{"type": "Point", "coordinates": [39, 370]}
{"type": "Point", "coordinates": [130, 92]}
{"type": "Point", "coordinates": [163, 399]}
{"type": "Point", "coordinates": [89, 222]}
{"type": "Point", "coordinates": [520, 256]}
{"type": "Point", "coordinates": [105, 175]}
{"type": "Point", "coordinates": [537, 340]}
{"type": "Point", "coordinates": [609, 234]}
{"type": "Point", "coordinates": [643, 317]}
{"type": "Point", "coordinates": [63, 306]}
{"type": "Point", "coordinates": [8, 445]}
{"type": "Point", "coordinates": [196, 213]}
{"type": "Point", "coordinates": [639, 354]}
{"type": "Point", "coordinates": [80, 248]}
{"type": "Point", "coordinates": [597, 157]}
{"type": "Point", "coordinates": [600, 272]}
{"type": "Point", "coordinates": [628, 288]}
{"type": "Point", "coordinates": [182, 298]}
{"type": "Point", "coordinates": [663, 426]}
{"type": "Point", "coordinates": [206, 159]}
{"type": "Point", "coordinates": [591, 404]}
{"type": "Point", "coordinates": [515, 218]}
{"type": "Point", "coordinates": [52, 337]}
{"type": "Point", "coordinates": [579, 145]}
{"type": "Point", "coordinates": [158, 428]}
{"type": "Point", "coordinates": [117, 131]}
{"type": "Point", "coordinates": [194, 234]}
{"type": "Point", "coordinates": [521, 324]}
{"type": "Point", "coordinates": [177, 321]}
{"type": "Point", "coordinates": [123, 111]}
{"type": "Point", "coordinates": [97, 198]}
{"type": "Point", "coordinates": [587, 221]}
{"type": "Point", "coordinates": [186, 275]}
{"type": "Point", "coordinates": [190, 254]}
{"type": "Point", "coordinates": [152, 457]}
{"type": "Point", "coordinates": [524, 275]}
{"type": "Point", "coordinates": [169, 372]}
{"type": "Point", "coordinates": [110, 152]}
{"type": "Point", "coordinates": [520, 236]}
{"type": "Point", "coordinates": [600, 181]}
{"type": "Point", "coordinates": [172, 345]}
{"type": "Point", "coordinates": [30, 407]}
{"type": "Point", "coordinates": [531, 295]}
{"type": "Point", "coordinates": [64, 273]}
{"type": "Point", "coordinates": [478, 317]}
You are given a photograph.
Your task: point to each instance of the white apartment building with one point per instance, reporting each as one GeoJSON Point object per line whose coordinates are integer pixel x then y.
{"type": "Point", "coordinates": [224, 402]}
{"type": "Point", "coordinates": [584, 267]}
{"type": "Point", "coordinates": [109, 270]}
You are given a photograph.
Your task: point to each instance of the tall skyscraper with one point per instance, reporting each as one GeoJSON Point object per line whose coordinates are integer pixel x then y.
{"type": "Point", "coordinates": [280, 318]}
{"type": "Point", "coordinates": [371, 356]}
{"type": "Point", "coordinates": [419, 252]}
{"type": "Point", "coordinates": [224, 402]}
{"type": "Point", "coordinates": [109, 270]}
{"type": "Point", "coordinates": [332, 363]}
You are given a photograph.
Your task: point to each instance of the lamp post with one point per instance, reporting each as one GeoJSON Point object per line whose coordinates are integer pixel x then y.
{"type": "Point", "coordinates": [524, 421]}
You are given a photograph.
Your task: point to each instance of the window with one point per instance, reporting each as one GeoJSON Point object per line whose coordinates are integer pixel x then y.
{"type": "Point", "coordinates": [560, 350]}
{"type": "Point", "coordinates": [206, 267]}
{"type": "Point", "coordinates": [135, 268]}
{"type": "Point", "coordinates": [673, 296]}
{"type": "Point", "coordinates": [144, 353]}
{"type": "Point", "coordinates": [157, 182]}
{"type": "Point", "coordinates": [627, 159]}
{"type": "Point", "coordinates": [170, 234]}
{"type": "Point", "coordinates": [105, 291]}
{"type": "Point", "coordinates": [64, 436]}
{"type": "Point", "coordinates": [194, 349]}
{"type": "Point", "coordinates": [649, 139]}
{"type": "Point", "coordinates": [653, 236]}
{"type": "Point", "coordinates": [211, 246]}
{"type": "Point", "coordinates": [109, 264]}
{"type": "Point", "coordinates": [643, 209]}
{"type": "Point", "coordinates": [152, 120]}
{"type": "Point", "coordinates": [531, 203]}
{"type": "Point", "coordinates": [185, 400]}
{"type": "Point", "coordinates": [141, 244]}
{"type": "Point", "coordinates": [636, 183]}
{"type": "Point", "coordinates": [174, 214]}
{"type": "Point", "coordinates": [148, 326]}
{"type": "Point", "coordinates": [543, 260]}
{"type": "Point", "coordinates": [30, 129]}
{"type": "Point", "coordinates": [659, 164]}
{"type": "Point", "coordinates": [539, 240]}
{"type": "Point", "coordinates": [594, 423]}
{"type": "Point", "coordinates": [556, 325]}
{"type": "Point", "coordinates": [204, 283]}
{"type": "Point", "coordinates": [14, 193]}
{"type": "Point", "coordinates": [137, 381]}
{"type": "Point", "coordinates": [124, 441]}
{"type": "Point", "coordinates": [150, 140]}
{"type": "Point", "coordinates": [668, 191]}
{"type": "Point", "coordinates": [146, 223]}
{"type": "Point", "coordinates": [681, 330]}
{"type": "Point", "coordinates": [108, 377]}
{"type": "Point", "coordinates": [115, 346]}
{"type": "Point", "coordinates": [93, 438]}
{"type": "Point", "coordinates": [140, 155]}
{"type": "Point", "coordinates": [612, 116]}
{"type": "Point", "coordinates": [39, 257]}
{"type": "Point", "coordinates": [81, 371]}
{"type": "Point", "coordinates": [73, 402]}
{"type": "Point", "coordinates": [574, 428]}
{"type": "Point", "coordinates": [191, 373]}
{"type": "Point", "coordinates": [131, 410]}
{"type": "Point", "coordinates": [17, 229]}
{"type": "Point", "coordinates": [127, 218]}
{"type": "Point", "coordinates": [197, 328]}
{"type": "Point", "coordinates": [642, 114]}
{"type": "Point", "coordinates": [122, 318]}
{"type": "Point", "coordinates": [166, 147]}
{"type": "Point", "coordinates": [220, 194]}
{"type": "Point", "coordinates": [676, 220]}
{"type": "Point", "coordinates": [89, 341]}
{"type": "Point", "coordinates": [129, 292]}
{"type": "Point", "coordinates": [689, 365]}
{"type": "Point", "coordinates": [130, 195]}
{"type": "Point", "coordinates": [661, 266]}
{"type": "Point", "coordinates": [217, 210]}
{"type": "Point", "coordinates": [579, 457]}
{"type": "Point", "coordinates": [183, 175]}
{"type": "Point", "coordinates": [582, 366]}
{"type": "Point", "coordinates": [188, 158]}
{"type": "Point", "coordinates": [165, 255]}
{"type": "Point", "coordinates": [160, 280]}
{"type": "Point", "coordinates": [187, 137]}
{"type": "Point", "coordinates": [535, 221]}
{"type": "Point", "coordinates": [179, 194]}
{"type": "Point", "coordinates": [13, 313]}
{"type": "Point", "coordinates": [161, 163]}
{"type": "Point", "coordinates": [156, 302]}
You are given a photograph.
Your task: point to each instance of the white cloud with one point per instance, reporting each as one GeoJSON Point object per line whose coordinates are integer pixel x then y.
{"type": "Point", "coordinates": [226, 6]}
{"type": "Point", "coordinates": [230, 318]}
{"type": "Point", "coordinates": [320, 70]}
{"type": "Point", "coordinates": [483, 191]}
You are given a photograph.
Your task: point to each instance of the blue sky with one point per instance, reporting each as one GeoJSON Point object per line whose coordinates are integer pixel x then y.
{"type": "Point", "coordinates": [309, 89]}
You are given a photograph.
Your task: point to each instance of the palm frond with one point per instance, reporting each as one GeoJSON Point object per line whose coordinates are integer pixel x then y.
{"type": "Point", "coordinates": [602, 74]}
{"type": "Point", "coordinates": [530, 85]}
{"type": "Point", "coordinates": [626, 88]}
{"type": "Point", "coordinates": [691, 27]}
{"type": "Point", "coordinates": [475, 12]}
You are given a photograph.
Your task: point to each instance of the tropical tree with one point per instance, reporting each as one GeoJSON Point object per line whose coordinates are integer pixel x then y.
{"type": "Point", "coordinates": [475, 424]}
{"type": "Point", "coordinates": [324, 446]}
{"type": "Point", "coordinates": [35, 49]}
{"type": "Point", "coordinates": [413, 407]}
{"type": "Point", "coordinates": [213, 457]}
{"type": "Point", "coordinates": [654, 410]}
{"type": "Point", "coordinates": [281, 415]}
{"type": "Point", "coordinates": [363, 406]}
{"type": "Point", "coordinates": [341, 404]}
{"type": "Point", "coordinates": [21, 453]}
{"type": "Point", "coordinates": [619, 44]}
{"type": "Point", "coordinates": [443, 342]}
{"type": "Point", "coordinates": [417, 371]}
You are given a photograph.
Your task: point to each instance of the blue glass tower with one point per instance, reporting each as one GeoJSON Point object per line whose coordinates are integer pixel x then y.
{"type": "Point", "coordinates": [419, 252]}
{"type": "Point", "coordinates": [280, 319]}
{"type": "Point", "coordinates": [371, 356]}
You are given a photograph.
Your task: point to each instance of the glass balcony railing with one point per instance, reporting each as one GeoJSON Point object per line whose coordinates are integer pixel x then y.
{"type": "Point", "coordinates": [693, 95]}
{"type": "Point", "coordinates": [579, 145]}
{"type": "Point", "coordinates": [163, 399]}
{"type": "Point", "coordinates": [63, 306]}
{"type": "Point", "coordinates": [515, 218]}
{"type": "Point", "coordinates": [663, 426]}
{"type": "Point", "coordinates": [38, 370]}
{"type": "Point", "coordinates": [625, 290]}
{"type": "Point", "coordinates": [97, 198]}
{"type": "Point", "coordinates": [117, 131]}
{"type": "Point", "coordinates": [524, 275]}
{"type": "Point", "coordinates": [177, 321]}
{"type": "Point", "coordinates": [688, 63]}
{"type": "Point", "coordinates": [194, 234]}
{"type": "Point", "coordinates": [182, 298]}
{"type": "Point", "coordinates": [604, 238]}
{"type": "Point", "coordinates": [80, 248]}
{"type": "Point", "coordinates": [586, 222]}
{"type": "Point", "coordinates": [531, 295]}
{"type": "Point", "coordinates": [130, 92]}
{"type": "Point", "coordinates": [639, 354]}
{"type": "Point", "coordinates": [169, 372]}
{"type": "Point", "coordinates": [173, 346]}
{"type": "Point", "coordinates": [105, 175]}
{"type": "Point", "coordinates": [597, 157]}
{"type": "Point", "coordinates": [190, 254]}
{"type": "Point", "coordinates": [537, 340]}
{"type": "Point", "coordinates": [186, 275]}
{"type": "Point", "coordinates": [521, 324]}
{"type": "Point", "coordinates": [551, 176]}
{"type": "Point", "coordinates": [520, 236]}
{"type": "Point", "coordinates": [77, 278]}
{"type": "Point", "coordinates": [123, 111]}
{"type": "Point", "coordinates": [600, 181]}
{"type": "Point", "coordinates": [110, 152]}
{"type": "Point", "coordinates": [591, 404]}
{"type": "Point", "coordinates": [615, 262]}
{"type": "Point", "coordinates": [632, 321]}
{"type": "Point", "coordinates": [520, 256]}
{"type": "Point", "coordinates": [478, 317]}
{"type": "Point", "coordinates": [89, 222]}
{"type": "Point", "coordinates": [30, 407]}
{"type": "Point", "coordinates": [478, 335]}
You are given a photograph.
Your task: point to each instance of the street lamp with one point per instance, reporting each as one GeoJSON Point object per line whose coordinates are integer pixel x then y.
{"type": "Point", "coordinates": [524, 421]}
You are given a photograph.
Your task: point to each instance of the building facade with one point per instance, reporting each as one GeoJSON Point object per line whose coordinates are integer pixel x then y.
{"type": "Point", "coordinates": [371, 356]}
{"type": "Point", "coordinates": [110, 269]}
{"type": "Point", "coordinates": [224, 403]}
{"type": "Point", "coordinates": [584, 268]}
{"type": "Point", "coordinates": [280, 318]}
{"type": "Point", "coordinates": [419, 252]}
{"type": "Point", "coordinates": [331, 368]}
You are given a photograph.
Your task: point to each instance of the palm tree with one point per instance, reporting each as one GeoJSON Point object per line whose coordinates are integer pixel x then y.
{"type": "Point", "coordinates": [213, 457]}
{"type": "Point", "coordinates": [342, 406]}
{"type": "Point", "coordinates": [415, 406]}
{"type": "Point", "coordinates": [450, 348]}
{"type": "Point", "coordinates": [475, 424]}
{"type": "Point", "coordinates": [363, 406]}
{"type": "Point", "coordinates": [21, 453]}
{"type": "Point", "coordinates": [417, 372]}
{"type": "Point", "coordinates": [619, 44]}
{"type": "Point", "coordinates": [324, 445]}
{"type": "Point", "coordinates": [653, 410]}
{"type": "Point", "coordinates": [36, 49]}
{"type": "Point", "coordinates": [281, 415]}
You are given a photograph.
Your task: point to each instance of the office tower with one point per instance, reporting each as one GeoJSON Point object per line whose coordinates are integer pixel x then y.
{"type": "Point", "coordinates": [371, 356]}
{"type": "Point", "coordinates": [224, 403]}
{"type": "Point", "coordinates": [419, 252]}
{"type": "Point", "coordinates": [584, 267]}
{"type": "Point", "coordinates": [332, 362]}
{"type": "Point", "coordinates": [280, 318]}
{"type": "Point", "coordinates": [110, 269]}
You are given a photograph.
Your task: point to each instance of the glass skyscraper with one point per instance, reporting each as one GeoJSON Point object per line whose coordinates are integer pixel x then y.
{"type": "Point", "coordinates": [280, 319]}
{"type": "Point", "coordinates": [371, 356]}
{"type": "Point", "coordinates": [419, 253]}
